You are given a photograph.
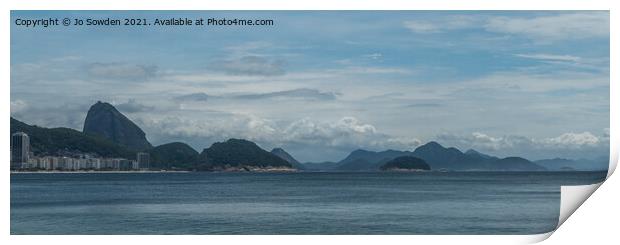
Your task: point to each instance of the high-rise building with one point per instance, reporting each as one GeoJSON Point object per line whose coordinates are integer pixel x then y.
{"type": "Point", "coordinates": [20, 149]}
{"type": "Point", "coordinates": [143, 159]}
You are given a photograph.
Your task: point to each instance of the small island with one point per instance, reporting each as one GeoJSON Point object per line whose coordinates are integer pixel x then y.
{"type": "Point", "coordinates": [406, 163]}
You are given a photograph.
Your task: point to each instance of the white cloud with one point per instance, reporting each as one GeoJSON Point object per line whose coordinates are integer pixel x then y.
{"type": "Point", "coordinates": [577, 145]}
{"type": "Point", "coordinates": [531, 80]}
{"type": "Point", "coordinates": [554, 27]}
{"type": "Point", "coordinates": [550, 57]}
{"type": "Point", "coordinates": [373, 56]}
{"type": "Point", "coordinates": [542, 28]}
{"type": "Point", "coordinates": [132, 106]}
{"type": "Point", "coordinates": [448, 23]}
{"type": "Point", "coordinates": [345, 134]}
{"type": "Point", "coordinates": [251, 66]}
{"type": "Point", "coordinates": [121, 71]}
{"type": "Point", "coordinates": [422, 26]}
{"type": "Point", "coordinates": [348, 132]}
{"type": "Point", "coordinates": [18, 106]}
{"type": "Point", "coordinates": [570, 140]}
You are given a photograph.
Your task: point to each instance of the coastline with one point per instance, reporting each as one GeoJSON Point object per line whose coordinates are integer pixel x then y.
{"type": "Point", "coordinates": [223, 170]}
{"type": "Point", "coordinates": [97, 172]}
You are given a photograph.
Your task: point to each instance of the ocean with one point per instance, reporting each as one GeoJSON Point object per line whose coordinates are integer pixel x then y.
{"type": "Point", "coordinates": [290, 203]}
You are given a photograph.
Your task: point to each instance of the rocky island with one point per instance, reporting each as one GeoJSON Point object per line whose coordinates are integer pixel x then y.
{"type": "Point", "coordinates": [406, 163]}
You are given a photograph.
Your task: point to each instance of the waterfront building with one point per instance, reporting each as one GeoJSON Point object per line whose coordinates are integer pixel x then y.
{"type": "Point", "coordinates": [143, 159]}
{"type": "Point", "coordinates": [20, 150]}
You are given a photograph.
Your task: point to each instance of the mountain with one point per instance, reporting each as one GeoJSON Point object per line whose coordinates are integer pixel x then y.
{"type": "Point", "coordinates": [238, 153]}
{"type": "Point", "coordinates": [440, 157]}
{"type": "Point", "coordinates": [173, 155]}
{"type": "Point", "coordinates": [66, 141]}
{"type": "Point", "coordinates": [594, 164]}
{"type": "Point", "coordinates": [515, 164]}
{"type": "Point", "coordinates": [281, 153]}
{"type": "Point", "coordinates": [363, 160]}
{"type": "Point", "coordinates": [561, 164]}
{"type": "Point", "coordinates": [406, 163]}
{"type": "Point", "coordinates": [556, 164]}
{"type": "Point", "coordinates": [437, 157]}
{"type": "Point", "coordinates": [475, 153]}
{"type": "Point", "coordinates": [105, 121]}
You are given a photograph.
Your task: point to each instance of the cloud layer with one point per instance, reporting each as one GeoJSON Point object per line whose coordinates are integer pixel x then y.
{"type": "Point", "coordinates": [526, 83]}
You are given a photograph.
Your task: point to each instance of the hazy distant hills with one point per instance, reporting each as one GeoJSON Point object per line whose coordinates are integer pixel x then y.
{"type": "Point", "coordinates": [435, 155]}
{"type": "Point", "coordinates": [363, 160]}
{"type": "Point", "coordinates": [281, 153]}
{"type": "Point", "coordinates": [105, 121]}
{"type": "Point", "coordinates": [561, 164]}
{"type": "Point", "coordinates": [109, 133]}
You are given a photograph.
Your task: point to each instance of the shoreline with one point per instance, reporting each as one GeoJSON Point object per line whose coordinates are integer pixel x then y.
{"type": "Point", "coordinates": [97, 172]}
{"type": "Point", "coordinates": [284, 171]}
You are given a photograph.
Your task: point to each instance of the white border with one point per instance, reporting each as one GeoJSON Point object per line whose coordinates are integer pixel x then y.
{"type": "Point", "coordinates": [291, 5]}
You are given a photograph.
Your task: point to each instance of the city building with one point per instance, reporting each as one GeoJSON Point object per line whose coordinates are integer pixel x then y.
{"type": "Point", "coordinates": [20, 150]}
{"type": "Point", "coordinates": [23, 158]}
{"type": "Point", "coordinates": [143, 159]}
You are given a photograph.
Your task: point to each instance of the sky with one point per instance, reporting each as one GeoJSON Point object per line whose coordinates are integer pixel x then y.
{"type": "Point", "coordinates": [322, 84]}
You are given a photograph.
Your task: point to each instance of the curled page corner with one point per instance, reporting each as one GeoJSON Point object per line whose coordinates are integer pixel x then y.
{"type": "Point", "coordinates": [571, 197]}
{"type": "Point", "coordinates": [531, 239]}
{"type": "Point", "coordinates": [613, 161]}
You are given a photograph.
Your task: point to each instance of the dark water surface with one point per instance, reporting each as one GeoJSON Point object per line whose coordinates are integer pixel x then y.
{"type": "Point", "coordinates": [290, 203]}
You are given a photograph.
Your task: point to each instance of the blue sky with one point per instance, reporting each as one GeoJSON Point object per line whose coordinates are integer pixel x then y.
{"type": "Point", "coordinates": [320, 84]}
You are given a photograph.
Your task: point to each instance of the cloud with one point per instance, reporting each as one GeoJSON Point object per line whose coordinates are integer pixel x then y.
{"type": "Point", "coordinates": [483, 141]}
{"type": "Point", "coordinates": [422, 26]}
{"type": "Point", "coordinates": [577, 145]}
{"type": "Point", "coordinates": [73, 115]}
{"type": "Point", "coordinates": [371, 70]}
{"type": "Point", "coordinates": [373, 56]}
{"type": "Point", "coordinates": [121, 71]}
{"type": "Point", "coordinates": [424, 105]}
{"type": "Point", "coordinates": [302, 93]}
{"type": "Point", "coordinates": [533, 80]}
{"type": "Point", "coordinates": [344, 134]}
{"type": "Point", "coordinates": [132, 106]}
{"type": "Point", "coordinates": [193, 97]}
{"type": "Point", "coordinates": [571, 140]}
{"type": "Point", "coordinates": [554, 27]}
{"type": "Point", "coordinates": [445, 24]}
{"type": "Point", "coordinates": [251, 66]}
{"type": "Point", "coordinates": [18, 106]}
{"type": "Point", "coordinates": [550, 57]}
{"type": "Point", "coordinates": [545, 28]}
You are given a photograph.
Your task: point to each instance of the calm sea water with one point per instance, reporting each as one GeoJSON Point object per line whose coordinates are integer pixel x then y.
{"type": "Point", "coordinates": [289, 203]}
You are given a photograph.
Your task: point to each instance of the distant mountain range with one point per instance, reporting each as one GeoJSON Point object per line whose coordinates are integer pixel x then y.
{"type": "Point", "coordinates": [436, 156]}
{"type": "Point", "coordinates": [561, 164]}
{"type": "Point", "coordinates": [439, 157]}
{"type": "Point", "coordinates": [281, 153]}
{"type": "Point", "coordinates": [109, 133]}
